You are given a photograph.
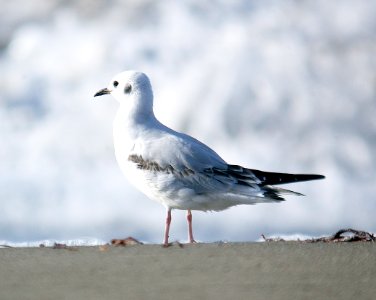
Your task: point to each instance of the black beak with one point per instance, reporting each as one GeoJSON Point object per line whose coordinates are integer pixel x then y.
{"type": "Point", "coordinates": [102, 92]}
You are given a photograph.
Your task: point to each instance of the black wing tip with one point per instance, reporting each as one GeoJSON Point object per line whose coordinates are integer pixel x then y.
{"type": "Point", "coordinates": [315, 176]}
{"type": "Point", "coordinates": [265, 178]}
{"type": "Point", "coordinates": [301, 177]}
{"type": "Point", "coordinates": [272, 178]}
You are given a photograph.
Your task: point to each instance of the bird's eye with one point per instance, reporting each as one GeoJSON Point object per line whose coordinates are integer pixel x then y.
{"type": "Point", "coordinates": [116, 83]}
{"type": "Point", "coordinates": [127, 88]}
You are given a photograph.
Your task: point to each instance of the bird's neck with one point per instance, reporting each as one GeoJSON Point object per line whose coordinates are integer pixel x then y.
{"type": "Point", "coordinates": [138, 108]}
{"type": "Point", "coordinates": [134, 119]}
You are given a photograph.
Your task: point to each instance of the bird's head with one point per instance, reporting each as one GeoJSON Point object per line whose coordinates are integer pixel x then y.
{"type": "Point", "coordinates": [131, 89]}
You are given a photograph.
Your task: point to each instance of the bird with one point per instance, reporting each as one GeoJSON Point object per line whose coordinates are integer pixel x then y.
{"type": "Point", "coordinates": [176, 169]}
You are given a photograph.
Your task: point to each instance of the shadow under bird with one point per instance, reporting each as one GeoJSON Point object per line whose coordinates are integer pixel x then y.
{"type": "Point", "coordinates": [177, 170]}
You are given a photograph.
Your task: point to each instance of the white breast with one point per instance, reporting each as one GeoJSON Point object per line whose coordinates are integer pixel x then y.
{"type": "Point", "coordinates": [155, 185]}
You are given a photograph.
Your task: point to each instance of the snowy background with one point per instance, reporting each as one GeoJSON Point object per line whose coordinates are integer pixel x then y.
{"type": "Point", "coordinates": [285, 86]}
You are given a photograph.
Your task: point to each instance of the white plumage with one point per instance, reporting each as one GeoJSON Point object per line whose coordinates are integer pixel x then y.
{"type": "Point", "coordinates": [175, 169]}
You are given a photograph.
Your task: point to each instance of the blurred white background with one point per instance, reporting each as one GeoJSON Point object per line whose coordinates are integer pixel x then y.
{"type": "Point", "coordinates": [286, 86]}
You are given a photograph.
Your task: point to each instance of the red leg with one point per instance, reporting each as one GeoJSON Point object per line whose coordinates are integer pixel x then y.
{"type": "Point", "coordinates": [190, 231]}
{"type": "Point", "coordinates": [167, 228]}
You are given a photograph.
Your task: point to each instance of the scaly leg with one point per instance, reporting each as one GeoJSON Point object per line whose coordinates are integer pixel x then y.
{"type": "Point", "coordinates": [190, 231]}
{"type": "Point", "coordinates": [167, 228]}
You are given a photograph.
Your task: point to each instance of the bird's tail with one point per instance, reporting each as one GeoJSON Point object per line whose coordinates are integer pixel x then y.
{"type": "Point", "coordinates": [275, 193]}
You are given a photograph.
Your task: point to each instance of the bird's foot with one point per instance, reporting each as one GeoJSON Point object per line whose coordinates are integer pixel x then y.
{"type": "Point", "coordinates": [166, 245]}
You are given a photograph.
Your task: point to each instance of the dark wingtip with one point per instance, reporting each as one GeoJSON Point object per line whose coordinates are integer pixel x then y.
{"type": "Point", "coordinates": [306, 177]}
{"type": "Point", "coordinates": [271, 178]}
{"type": "Point", "coordinates": [316, 176]}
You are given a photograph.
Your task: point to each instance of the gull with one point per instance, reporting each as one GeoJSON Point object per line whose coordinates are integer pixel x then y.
{"type": "Point", "coordinates": [174, 168]}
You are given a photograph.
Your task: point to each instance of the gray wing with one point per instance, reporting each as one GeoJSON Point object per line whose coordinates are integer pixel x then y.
{"type": "Point", "coordinates": [199, 167]}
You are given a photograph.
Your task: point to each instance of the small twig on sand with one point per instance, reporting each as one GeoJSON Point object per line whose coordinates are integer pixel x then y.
{"type": "Point", "coordinates": [342, 235]}
{"type": "Point", "coordinates": [129, 241]}
{"type": "Point", "coordinates": [339, 236]}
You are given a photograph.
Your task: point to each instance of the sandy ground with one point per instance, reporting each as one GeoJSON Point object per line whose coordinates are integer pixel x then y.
{"type": "Point", "coordinates": [277, 270]}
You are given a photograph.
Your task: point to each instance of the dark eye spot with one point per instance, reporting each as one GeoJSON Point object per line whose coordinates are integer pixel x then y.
{"type": "Point", "coordinates": [127, 88]}
{"type": "Point", "coordinates": [116, 83]}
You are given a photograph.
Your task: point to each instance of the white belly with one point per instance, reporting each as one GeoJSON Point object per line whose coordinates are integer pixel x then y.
{"type": "Point", "coordinates": [158, 186]}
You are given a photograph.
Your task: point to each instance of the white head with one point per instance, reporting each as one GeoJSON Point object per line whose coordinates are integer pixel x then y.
{"type": "Point", "coordinates": [133, 91]}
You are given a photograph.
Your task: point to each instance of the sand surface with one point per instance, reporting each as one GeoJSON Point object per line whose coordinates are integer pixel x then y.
{"type": "Point", "coordinates": [277, 270]}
